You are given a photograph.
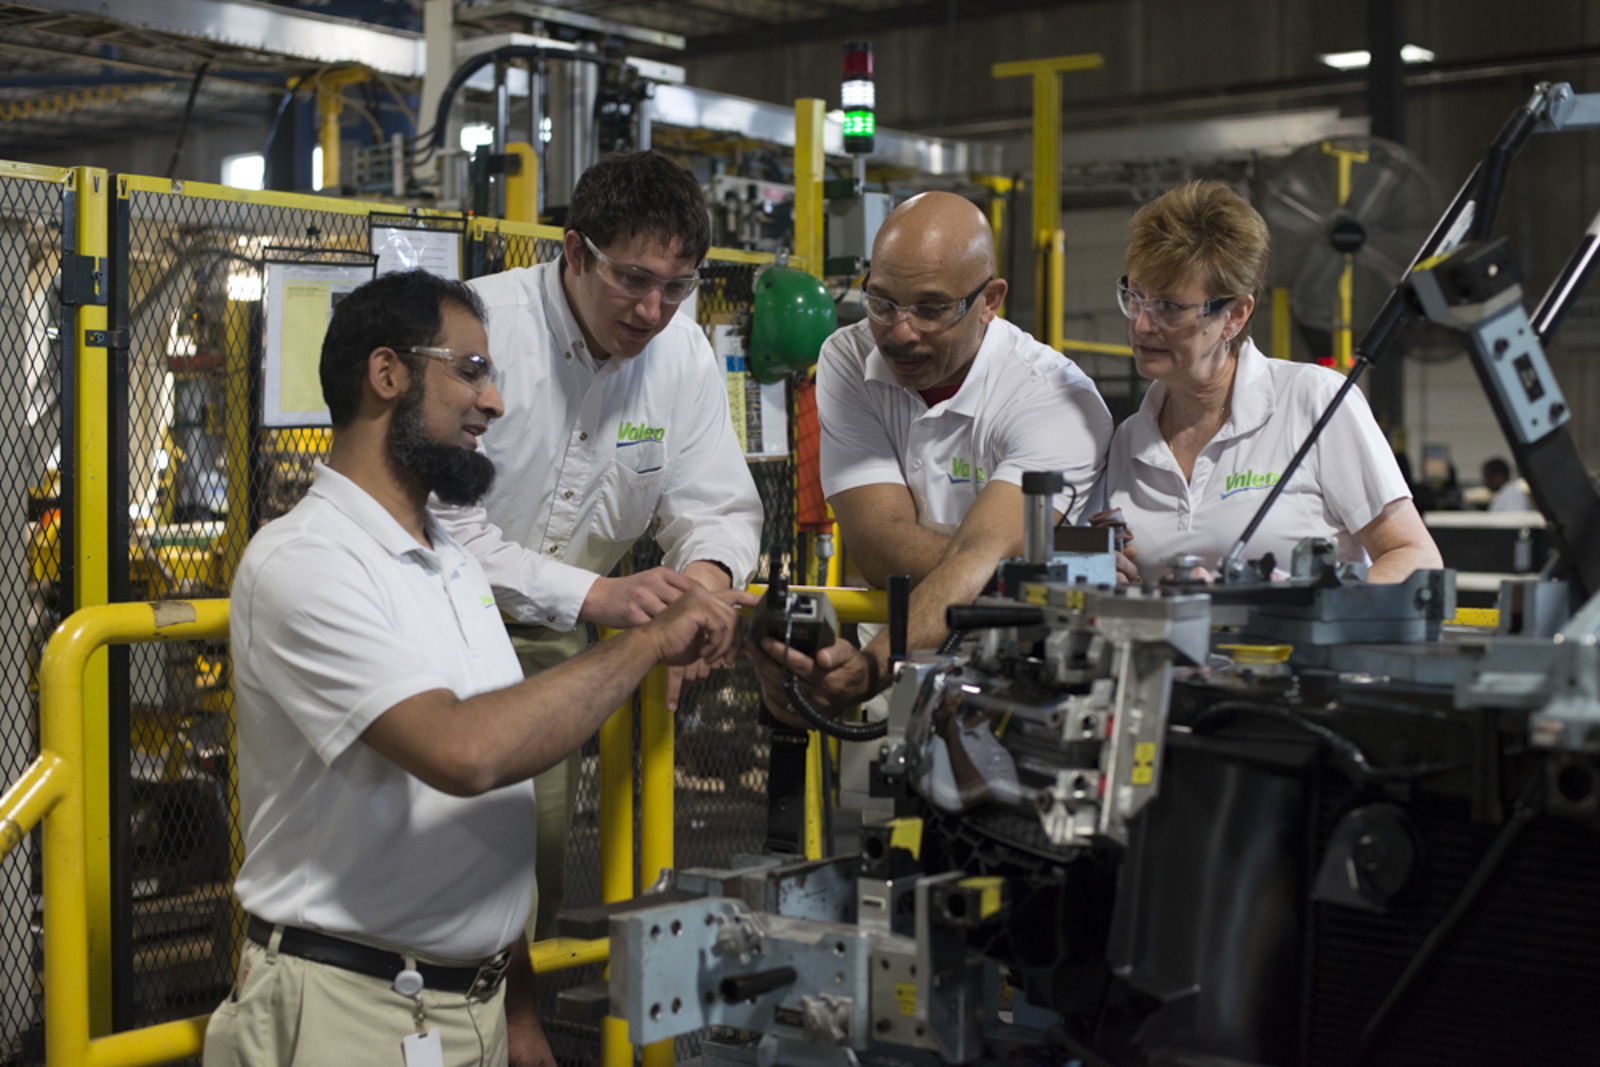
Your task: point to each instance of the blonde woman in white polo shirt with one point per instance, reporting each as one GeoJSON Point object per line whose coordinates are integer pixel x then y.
{"type": "Point", "coordinates": [1221, 420]}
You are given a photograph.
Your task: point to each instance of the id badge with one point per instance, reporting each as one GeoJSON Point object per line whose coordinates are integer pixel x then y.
{"type": "Point", "coordinates": [423, 1050]}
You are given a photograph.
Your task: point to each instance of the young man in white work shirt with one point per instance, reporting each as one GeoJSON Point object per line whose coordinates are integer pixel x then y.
{"type": "Point", "coordinates": [616, 421]}
{"type": "Point", "coordinates": [386, 738]}
{"type": "Point", "coordinates": [931, 411]}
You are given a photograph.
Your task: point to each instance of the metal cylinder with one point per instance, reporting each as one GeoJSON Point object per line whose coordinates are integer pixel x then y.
{"type": "Point", "coordinates": [899, 615]}
{"type": "Point", "coordinates": [1039, 489]}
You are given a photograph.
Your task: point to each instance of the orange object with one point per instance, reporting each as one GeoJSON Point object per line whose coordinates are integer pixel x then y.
{"type": "Point", "coordinates": [811, 509]}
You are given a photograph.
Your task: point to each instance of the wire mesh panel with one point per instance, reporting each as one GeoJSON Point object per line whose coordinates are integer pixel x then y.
{"type": "Point", "coordinates": [504, 245]}
{"type": "Point", "coordinates": [32, 220]}
{"type": "Point", "coordinates": [721, 748]}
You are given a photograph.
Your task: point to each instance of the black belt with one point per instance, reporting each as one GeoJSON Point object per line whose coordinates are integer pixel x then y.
{"type": "Point", "coordinates": [378, 963]}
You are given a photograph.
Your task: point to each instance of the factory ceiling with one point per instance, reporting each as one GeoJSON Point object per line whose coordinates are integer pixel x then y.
{"type": "Point", "coordinates": [78, 72]}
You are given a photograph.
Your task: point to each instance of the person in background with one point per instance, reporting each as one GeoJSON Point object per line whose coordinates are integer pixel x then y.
{"type": "Point", "coordinates": [1508, 493]}
{"type": "Point", "coordinates": [1220, 420]}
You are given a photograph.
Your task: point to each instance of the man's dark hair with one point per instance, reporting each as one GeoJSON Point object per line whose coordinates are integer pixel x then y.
{"type": "Point", "coordinates": [640, 193]}
{"type": "Point", "coordinates": [397, 310]}
{"type": "Point", "coordinates": [1496, 468]}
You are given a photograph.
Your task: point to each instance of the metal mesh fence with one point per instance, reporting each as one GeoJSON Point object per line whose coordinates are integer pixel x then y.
{"type": "Point", "coordinates": [32, 222]}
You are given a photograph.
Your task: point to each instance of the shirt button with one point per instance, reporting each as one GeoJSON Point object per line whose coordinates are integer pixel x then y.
{"type": "Point", "coordinates": [583, 436]}
{"type": "Point", "coordinates": [916, 464]}
{"type": "Point", "coordinates": [568, 494]}
{"type": "Point", "coordinates": [568, 355]}
{"type": "Point", "coordinates": [550, 618]}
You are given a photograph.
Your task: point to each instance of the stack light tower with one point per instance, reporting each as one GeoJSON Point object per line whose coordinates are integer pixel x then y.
{"type": "Point", "coordinates": [853, 214]}
{"type": "Point", "coordinates": [858, 97]}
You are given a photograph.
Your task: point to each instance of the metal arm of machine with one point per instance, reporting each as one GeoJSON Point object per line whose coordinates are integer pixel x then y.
{"type": "Point", "coordinates": [1476, 292]}
{"type": "Point", "coordinates": [1552, 107]}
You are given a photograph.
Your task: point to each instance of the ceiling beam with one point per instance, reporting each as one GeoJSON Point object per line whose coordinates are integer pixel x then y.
{"type": "Point", "coordinates": [854, 23]}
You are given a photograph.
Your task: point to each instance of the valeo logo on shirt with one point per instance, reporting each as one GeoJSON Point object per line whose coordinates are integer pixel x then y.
{"type": "Point", "coordinates": [632, 433]}
{"type": "Point", "coordinates": [1245, 480]}
{"type": "Point", "coordinates": [961, 470]}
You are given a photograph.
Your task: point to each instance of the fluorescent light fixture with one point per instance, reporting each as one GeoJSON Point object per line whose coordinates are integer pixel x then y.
{"type": "Point", "coordinates": [474, 134]}
{"type": "Point", "coordinates": [1361, 58]}
{"type": "Point", "coordinates": [247, 170]}
{"type": "Point", "coordinates": [316, 169]}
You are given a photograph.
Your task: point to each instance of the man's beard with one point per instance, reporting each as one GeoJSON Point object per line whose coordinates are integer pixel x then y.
{"type": "Point", "coordinates": [454, 474]}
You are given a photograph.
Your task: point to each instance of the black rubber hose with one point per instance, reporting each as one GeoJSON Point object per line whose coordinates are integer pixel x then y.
{"type": "Point", "coordinates": [844, 731]}
{"type": "Point", "coordinates": [183, 125]}
{"type": "Point", "coordinates": [477, 63]}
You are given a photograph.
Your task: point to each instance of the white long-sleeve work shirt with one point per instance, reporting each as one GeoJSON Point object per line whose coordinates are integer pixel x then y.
{"type": "Point", "coordinates": [590, 452]}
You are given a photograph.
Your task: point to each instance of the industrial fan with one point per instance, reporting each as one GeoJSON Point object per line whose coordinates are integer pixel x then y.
{"type": "Point", "coordinates": [1347, 215]}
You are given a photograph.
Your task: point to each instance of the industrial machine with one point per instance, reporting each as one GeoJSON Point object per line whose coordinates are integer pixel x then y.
{"type": "Point", "coordinates": [1304, 821]}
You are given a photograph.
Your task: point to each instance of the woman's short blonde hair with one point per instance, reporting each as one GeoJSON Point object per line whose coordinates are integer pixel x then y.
{"type": "Point", "coordinates": [1201, 231]}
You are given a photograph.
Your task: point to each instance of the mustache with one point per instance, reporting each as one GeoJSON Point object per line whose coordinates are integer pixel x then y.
{"type": "Point", "coordinates": [905, 352]}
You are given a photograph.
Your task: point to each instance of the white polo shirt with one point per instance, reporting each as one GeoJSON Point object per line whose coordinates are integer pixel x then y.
{"type": "Point", "coordinates": [591, 452]}
{"type": "Point", "coordinates": [338, 615]}
{"type": "Point", "coordinates": [1022, 407]}
{"type": "Point", "coordinates": [1346, 480]}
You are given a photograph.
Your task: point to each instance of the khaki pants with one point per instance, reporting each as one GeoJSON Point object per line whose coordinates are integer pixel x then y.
{"type": "Point", "coordinates": [287, 1011]}
{"type": "Point", "coordinates": [556, 790]}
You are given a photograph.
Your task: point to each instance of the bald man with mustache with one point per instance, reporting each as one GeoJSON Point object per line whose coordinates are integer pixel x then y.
{"type": "Point", "coordinates": [931, 410]}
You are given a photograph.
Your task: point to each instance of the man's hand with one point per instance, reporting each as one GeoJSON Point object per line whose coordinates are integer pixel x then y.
{"type": "Point", "coordinates": [838, 679]}
{"type": "Point", "coordinates": [635, 599]}
{"type": "Point", "coordinates": [527, 1044]}
{"type": "Point", "coordinates": [525, 1040]}
{"type": "Point", "coordinates": [1127, 570]}
{"type": "Point", "coordinates": [699, 626]}
{"type": "Point", "coordinates": [715, 580]}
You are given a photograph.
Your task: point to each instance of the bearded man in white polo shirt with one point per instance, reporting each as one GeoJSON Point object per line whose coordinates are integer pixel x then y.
{"type": "Point", "coordinates": [616, 422]}
{"type": "Point", "coordinates": [931, 411]}
{"type": "Point", "coordinates": [386, 737]}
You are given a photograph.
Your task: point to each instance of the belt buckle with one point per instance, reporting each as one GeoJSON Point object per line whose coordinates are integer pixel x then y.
{"type": "Point", "coordinates": [490, 974]}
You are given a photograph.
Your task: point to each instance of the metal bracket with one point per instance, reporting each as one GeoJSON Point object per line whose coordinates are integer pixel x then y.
{"type": "Point", "coordinates": [113, 339]}
{"type": "Point", "coordinates": [1566, 110]}
{"type": "Point", "coordinates": [83, 279]}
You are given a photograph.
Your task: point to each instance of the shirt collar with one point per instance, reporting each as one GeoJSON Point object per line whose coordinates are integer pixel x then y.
{"type": "Point", "coordinates": [1253, 392]}
{"type": "Point", "coordinates": [363, 509]}
{"type": "Point", "coordinates": [564, 324]}
{"type": "Point", "coordinates": [968, 397]}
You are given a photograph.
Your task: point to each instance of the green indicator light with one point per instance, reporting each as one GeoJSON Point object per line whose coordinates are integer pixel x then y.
{"type": "Point", "coordinates": [859, 124]}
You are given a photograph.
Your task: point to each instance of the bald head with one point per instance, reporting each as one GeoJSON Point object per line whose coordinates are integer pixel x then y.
{"type": "Point", "coordinates": [933, 230]}
{"type": "Point", "coordinates": [932, 292]}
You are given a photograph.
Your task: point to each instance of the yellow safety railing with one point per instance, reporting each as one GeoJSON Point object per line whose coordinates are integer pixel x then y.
{"type": "Point", "coordinates": [52, 791]}
{"type": "Point", "coordinates": [852, 605]}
